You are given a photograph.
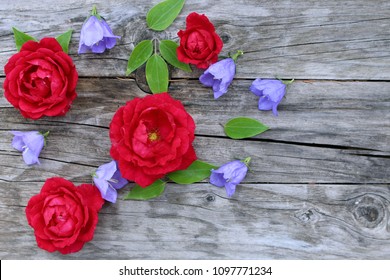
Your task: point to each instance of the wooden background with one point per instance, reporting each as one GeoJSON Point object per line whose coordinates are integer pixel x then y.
{"type": "Point", "coordinates": [319, 186]}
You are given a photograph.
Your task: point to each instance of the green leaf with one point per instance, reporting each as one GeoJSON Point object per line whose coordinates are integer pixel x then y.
{"type": "Point", "coordinates": [242, 127]}
{"type": "Point", "coordinates": [151, 191]}
{"type": "Point", "coordinates": [168, 52]}
{"type": "Point", "coordinates": [157, 74]}
{"type": "Point", "coordinates": [64, 40]}
{"type": "Point", "coordinates": [163, 14]}
{"type": "Point", "coordinates": [139, 55]}
{"type": "Point", "coordinates": [21, 38]}
{"type": "Point", "coordinates": [196, 172]}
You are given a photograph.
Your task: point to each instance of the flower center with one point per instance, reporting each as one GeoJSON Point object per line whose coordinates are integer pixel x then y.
{"type": "Point", "coordinates": [153, 136]}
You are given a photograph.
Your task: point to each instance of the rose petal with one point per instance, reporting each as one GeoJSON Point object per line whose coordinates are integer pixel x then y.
{"type": "Point", "coordinates": [91, 196]}
{"type": "Point", "coordinates": [73, 248]}
{"type": "Point", "coordinates": [197, 21]}
{"type": "Point", "coordinates": [51, 44]}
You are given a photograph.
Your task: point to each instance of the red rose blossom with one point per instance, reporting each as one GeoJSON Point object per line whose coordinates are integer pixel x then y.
{"type": "Point", "coordinates": [40, 79]}
{"type": "Point", "coordinates": [199, 44]}
{"type": "Point", "coordinates": [64, 216]}
{"type": "Point", "coordinates": [150, 137]}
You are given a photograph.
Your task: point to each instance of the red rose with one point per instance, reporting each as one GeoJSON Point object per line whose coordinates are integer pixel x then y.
{"type": "Point", "coordinates": [40, 79]}
{"type": "Point", "coordinates": [150, 137]}
{"type": "Point", "coordinates": [199, 44]}
{"type": "Point", "coordinates": [64, 216]}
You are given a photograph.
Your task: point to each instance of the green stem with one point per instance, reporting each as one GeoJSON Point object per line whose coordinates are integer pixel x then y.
{"type": "Point", "coordinates": [247, 161]}
{"type": "Point", "coordinates": [288, 82]}
{"type": "Point", "coordinates": [45, 135]}
{"type": "Point", "coordinates": [155, 41]}
{"type": "Point", "coordinates": [236, 55]}
{"type": "Point", "coordinates": [95, 13]}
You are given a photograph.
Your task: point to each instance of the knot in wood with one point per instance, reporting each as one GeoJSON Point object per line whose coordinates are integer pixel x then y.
{"type": "Point", "coordinates": [210, 198]}
{"type": "Point", "coordinates": [140, 79]}
{"type": "Point", "coordinates": [225, 38]}
{"type": "Point", "coordinates": [369, 211]}
{"type": "Point", "coordinates": [307, 215]}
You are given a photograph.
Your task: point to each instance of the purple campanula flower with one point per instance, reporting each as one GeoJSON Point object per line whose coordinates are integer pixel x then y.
{"type": "Point", "coordinates": [108, 179]}
{"type": "Point", "coordinates": [96, 35]}
{"type": "Point", "coordinates": [230, 175]}
{"type": "Point", "coordinates": [30, 143]}
{"type": "Point", "coordinates": [270, 92]}
{"type": "Point", "coordinates": [219, 76]}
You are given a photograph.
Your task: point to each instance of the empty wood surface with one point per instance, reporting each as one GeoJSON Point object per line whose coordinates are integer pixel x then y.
{"type": "Point", "coordinates": [319, 185]}
{"type": "Point", "coordinates": [305, 39]}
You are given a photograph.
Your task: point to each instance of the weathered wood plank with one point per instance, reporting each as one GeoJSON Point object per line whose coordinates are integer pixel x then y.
{"type": "Point", "coordinates": [261, 222]}
{"type": "Point", "coordinates": [353, 115]}
{"type": "Point", "coordinates": [75, 155]}
{"type": "Point", "coordinates": [319, 186]}
{"type": "Point", "coordinates": [290, 39]}
{"type": "Point", "coordinates": [308, 142]}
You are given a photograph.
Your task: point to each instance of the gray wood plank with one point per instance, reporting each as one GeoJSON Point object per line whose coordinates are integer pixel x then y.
{"type": "Point", "coordinates": [300, 39]}
{"type": "Point", "coordinates": [350, 115]}
{"type": "Point", "coordinates": [314, 138]}
{"type": "Point", "coordinates": [319, 184]}
{"type": "Point", "coordinates": [271, 221]}
{"type": "Point", "coordinates": [76, 157]}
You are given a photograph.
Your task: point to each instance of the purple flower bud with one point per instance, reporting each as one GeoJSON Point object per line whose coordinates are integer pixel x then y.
{"type": "Point", "coordinates": [30, 143]}
{"type": "Point", "coordinates": [219, 76]}
{"type": "Point", "coordinates": [108, 179]}
{"type": "Point", "coordinates": [96, 36]}
{"type": "Point", "coordinates": [271, 92]}
{"type": "Point", "coordinates": [229, 175]}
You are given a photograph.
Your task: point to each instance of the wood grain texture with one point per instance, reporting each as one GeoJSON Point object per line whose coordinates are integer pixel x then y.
{"type": "Point", "coordinates": [289, 39]}
{"type": "Point", "coordinates": [319, 186]}
{"type": "Point", "coordinates": [272, 221]}
{"type": "Point", "coordinates": [307, 190]}
{"type": "Point", "coordinates": [350, 115]}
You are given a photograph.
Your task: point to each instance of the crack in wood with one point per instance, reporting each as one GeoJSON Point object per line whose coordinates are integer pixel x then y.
{"type": "Point", "coordinates": [317, 145]}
